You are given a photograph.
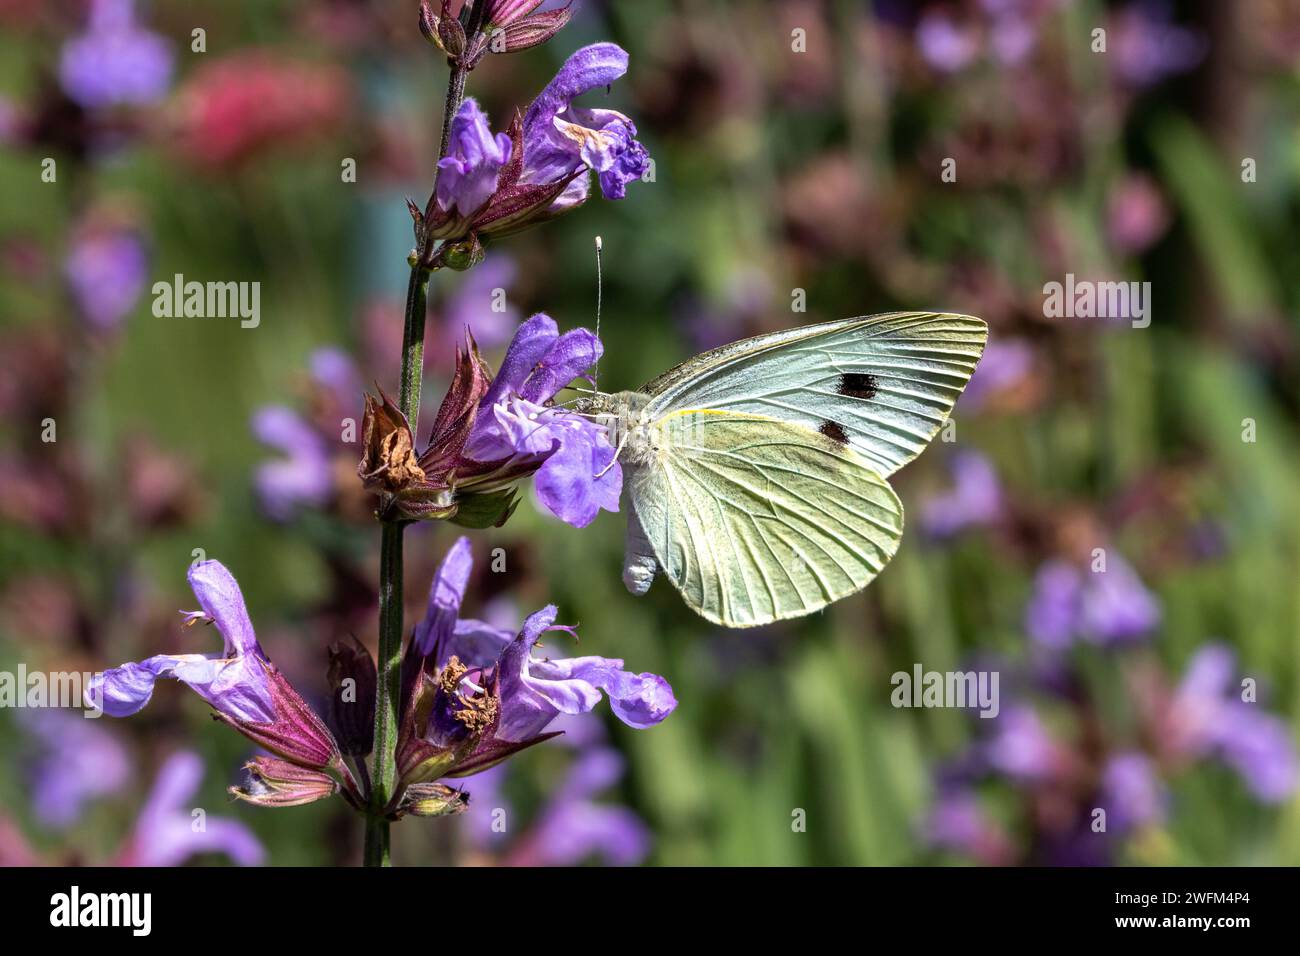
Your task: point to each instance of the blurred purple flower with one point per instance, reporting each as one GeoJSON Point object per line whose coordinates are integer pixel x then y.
{"type": "Point", "coordinates": [468, 174]}
{"type": "Point", "coordinates": [486, 798]}
{"type": "Point", "coordinates": [334, 370]}
{"type": "Point", "coordinates": [79, 761]}
{"type": "Point", "coordinates": [1117, 608]}
{"type": "Point", "coordinates": [167, 833]}
{"type": "Point", "coordinates": [578, 474]}
{"type": "Point", "coordinates": [1005, 363]}
{"type": "Point", "coordinates": [473, 305]}
{"type": "Point", "coordinates": [1020, 747]}
{"type": "Point", "coordinates": [944, 44]}
{"type": "Point", "coordinates": [1131, 792]}
{"type": "Point", "coordinates": [1136, 214]}
{"type": "Point", "coordinates": [1148, 47]}
{"type": "Point", "coordinates": [303, 477]}
{"type": "Point", "coordinates": [106, 269]}
{"type": "Point", "coordinates": [533, 691]}
{"type": "Point", "coordinates": [1012, 38]}
{"type": "Point", "coordinates": [573, 828]}
{"type": "Point", "coordinates": [1210, 718]}
{"type": "Point", "coordinates": [115, 61]}
{"type": "Point", "coordinates": [1108, 607]}
{"type": "Point", "coordinates": [1051, 616]}
{"type": "Point", "coordinates": [559, 138]}
{"type": "Point", "coordinates": [956, 822]}
{"type": "Point", "coordinates": [234, 682]}
{"type": "Point", "coordinates": [974, 501]}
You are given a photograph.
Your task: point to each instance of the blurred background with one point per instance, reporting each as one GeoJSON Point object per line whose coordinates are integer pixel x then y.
{"type": "Point", "coordinates": [790, 185]}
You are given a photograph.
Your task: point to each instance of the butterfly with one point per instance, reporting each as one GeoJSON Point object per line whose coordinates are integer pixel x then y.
{"type": "Point", "coordinates": [754, 474]}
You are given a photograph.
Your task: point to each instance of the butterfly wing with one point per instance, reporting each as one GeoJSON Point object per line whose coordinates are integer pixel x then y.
{"type": "Point", "coordinates": [754, 519]}
{"type": "Point", "coordinates": [884, 384]}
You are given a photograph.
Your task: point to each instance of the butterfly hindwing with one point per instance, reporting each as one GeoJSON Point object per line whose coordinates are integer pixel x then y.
{"type": "Point", "coordinates": [885, 384]}
{"type": "Point", "coordinates": [754, 519]}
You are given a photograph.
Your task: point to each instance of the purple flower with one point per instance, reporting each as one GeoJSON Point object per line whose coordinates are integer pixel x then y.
{"type": "Point", "coordinates": [168, 834]}
{"type": "Point", "coordinates": [234, 682]}
{"type": "Point", "coordinates": [468, 173]}
{"type": "Point", "coordinates": [1131, 792]}
{"type": "Point", "coordinates": [1116, 607]}
{"type": "Point", "coordinates": [115, 61]}
{"type": "Point", "coordinates": [956, 822]}
{"type": "Point", "coordinates": [303, 477]}
{"type": "Point", "coordinates": [497, 185]}
{"type": "Point", "coordinates": [974, 501]}
{"type": "Point", "coordinates": [573, 827]}
{"type": "Point", "coordinates": [473, 305]}
{"type": "Point", "coordinates": [578, 473]}
{"type": "Point", "coordinates": [532, 691]}
{"type": "Point", "coordinates": [1005, 364]}
{"type": "Point", "coordinates": [559, 138]}
{"type": "Point", "coordinates": [333, 370]}
{"type": "Point", "coordinates": [1021, 747]}
{"type": "Point", "coordinates": [1108, 607]}
{"type": "Point", "coordinates": [106, 269]}
{"type": "Point", "coordinates": [1052, 613]}
{"type": "Point", "coordinates": [79, 761]}
{"type": "Point", "coordinates": [943, 44]}
{"type": "Point", "coordinates": [1209, 718]}
{"type": "Point", "coordinates": [1148, 47]}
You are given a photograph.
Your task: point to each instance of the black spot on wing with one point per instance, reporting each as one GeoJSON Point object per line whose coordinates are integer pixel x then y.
{"type": "Point", "coordinates": [835, 431]}
{"type": "Point", "coordinates": [857, 385]}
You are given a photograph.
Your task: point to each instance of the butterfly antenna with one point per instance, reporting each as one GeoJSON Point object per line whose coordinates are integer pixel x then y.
{"type": "Point", "coordinates": [595, 372]}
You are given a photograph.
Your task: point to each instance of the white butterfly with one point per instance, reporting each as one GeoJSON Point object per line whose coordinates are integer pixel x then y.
{"type": "Point", "coordinates": [754, 474]}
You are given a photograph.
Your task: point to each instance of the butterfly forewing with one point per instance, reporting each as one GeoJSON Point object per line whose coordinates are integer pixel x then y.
{"type": "Point", "coordinates": [755, 519]}
{"type": "Point", "coordinates": [881, 384]}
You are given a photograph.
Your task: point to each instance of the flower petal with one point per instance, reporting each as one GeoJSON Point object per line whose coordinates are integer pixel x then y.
{"type": "Point", "coordinates": [568, 357]}
{"type": "Point", "coordinates": [221, 600]}
{"type": "Point", "coordinates": [589, 68]}
{"type": "Point", "coordinates": [530, 344]}
{"type": "Point", "coordinates": [534, 692]}
{"type": "Point", "coordinates": [581, 477]}
{"type": "Point", "coordinates": [468, 174]}
{"type": "Point", "coordinates": [445, 596]}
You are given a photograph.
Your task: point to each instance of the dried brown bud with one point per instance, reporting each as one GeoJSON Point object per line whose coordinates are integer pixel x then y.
{"type": "Point", "coordinates": [388, 460]}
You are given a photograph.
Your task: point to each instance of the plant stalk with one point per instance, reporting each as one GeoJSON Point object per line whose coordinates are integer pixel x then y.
{"type": "Point", "coordinates": [391, 626]}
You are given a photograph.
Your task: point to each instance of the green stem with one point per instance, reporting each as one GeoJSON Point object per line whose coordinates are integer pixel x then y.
{"type": "Point", "coordinates": [417, 296]}
{"type": "Point", "coordinates": [391, 626]}
{"type": "Point", "coordinates": [388, 692]}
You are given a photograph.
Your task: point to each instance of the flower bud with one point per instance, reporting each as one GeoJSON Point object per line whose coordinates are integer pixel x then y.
{"type": "Point", "coordinates": [278, 783]}
{"type": "Point", "coordinates": [462, 255]}
{"type": "Point", "coordinates": [388, 462]}
{"type": "Point", "coordinates": [451, 36]}
{"type": "Point", "coordinates": [530, 31]}
{"type": "Point", "coordinates": [432, 800]}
